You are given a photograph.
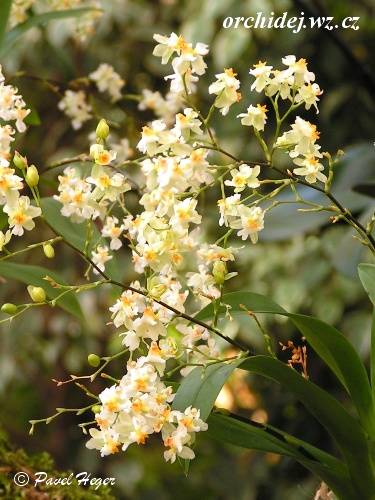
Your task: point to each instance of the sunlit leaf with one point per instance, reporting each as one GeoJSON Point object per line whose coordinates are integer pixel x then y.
{"type": "Point", "coordinates": [202, 386]}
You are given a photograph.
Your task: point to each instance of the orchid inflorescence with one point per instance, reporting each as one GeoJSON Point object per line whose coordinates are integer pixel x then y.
{"type": "Point", "coordinates": [178, 269]}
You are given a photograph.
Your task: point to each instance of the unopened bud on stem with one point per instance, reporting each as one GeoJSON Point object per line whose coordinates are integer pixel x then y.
{"type": "Point", "coordinates": [48, 250]}
{"type": "Point", "coordinates": [219, 272]}
{"type": "Point", "coordinates": [19, 161]}
{"type": "Point", "coordinates": [32, 176]}
{"type": "Point", "coordinates": [9, 308]}
{"type": "Point", "coordinates": [93, 360]}
{"type": "Point", "coordinates": [102, 130]}
{"type": "Point", "coordinates": [36, 293]}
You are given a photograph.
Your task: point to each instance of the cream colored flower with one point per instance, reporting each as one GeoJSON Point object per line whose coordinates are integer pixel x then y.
{"type": "Point", "coordinates": [100, 257]}
{"type": "Point", "coordinates": [244, 176]}
{"type": "Point", "coordinates": [310, 168]}
{"type": "Point", "coordinates": [250, 222]}
{"type": "Point", "coordinates": [262, 74]}
{"type": "Point", "coordinates": [255, 116]}
{"type": "Point", "coordinates": [225, 88]}
{"type": "Point", "coordinates": [21, 214]}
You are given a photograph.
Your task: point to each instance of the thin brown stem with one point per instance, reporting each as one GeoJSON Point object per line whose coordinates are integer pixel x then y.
{"type": "Point", "coordinates": [178, 313]}
{"type": "Point", "coordinates": [343, 211]}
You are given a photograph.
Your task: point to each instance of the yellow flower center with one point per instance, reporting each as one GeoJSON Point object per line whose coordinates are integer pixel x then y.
{"type": "Point", "coordinates": [19, 218]}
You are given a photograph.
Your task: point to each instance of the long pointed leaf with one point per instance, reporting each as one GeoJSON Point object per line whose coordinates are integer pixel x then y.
{"type": "Point", "coordinates": [344, 429]}
{"type": "Point", "coordinates": [328, 342]}
{"type": "Point", "coordinates": [254, 437]}
{"type": "Point", "coordinates": [367, 276]}
{"type": "Point", "coordinates": [201, 387]}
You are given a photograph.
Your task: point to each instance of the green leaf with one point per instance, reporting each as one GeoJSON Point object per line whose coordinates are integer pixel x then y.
{"type": "Point", "coordinates": [5, 6]}
{"type": "Point", "coordinates": [202, 386]}
{"type": "Point", "coordinates": [33, 275]}
{"type": "Point", "coordinates": [326, 409]}
{"type": "Point", "coordinates": [37, 20]}
{"type": "Point", "coordinates": [262, 438]}
{"type": "Point", "coordinates": [367, 276]}
{"type": "Point", "coordinates": [329, 412]}
{"type": "Point", "coordinates": [335, 350]}
{"type": "Point", "coordinates": [76, 233]}
{"type": "Point", "coordinates": [328, 342]}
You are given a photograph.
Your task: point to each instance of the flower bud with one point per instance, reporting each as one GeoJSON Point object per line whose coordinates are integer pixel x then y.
{"type": "Point", "coordinates": [19, 161]}
{"type": "Point", "coordinates": [93, 360]}
{"type": "Point", "coordinates": [102, 130]}
{"type": "Point", "coordinates": [9, 309]}
{"type": "Point", "coordinates": [49, 251]}
{"type": "Point", "coordinates": [96, 409]}
{"type": "Point", "coordinates": [32, 176]}
{"type": "Point", "coordinates": [36, 293]}
{"type": "Point", "coordinates": [219, 272]}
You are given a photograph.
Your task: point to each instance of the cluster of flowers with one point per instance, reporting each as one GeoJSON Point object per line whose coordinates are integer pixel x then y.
{"type": "Point", "coordinates": [86, 198]}
{"type": "Point", "coordinates": [301, 143]}
{"type": "Point", "coordinates": [18, 208]}
{"type": "Point", "coordinates": [83, 25]}
{"type": "Point", "coordinates": [188, 64]}
{"type": "Point", "coordinates": [139, 405]}
{"type": "Point", "coordinates": [165, 235]}
{"type": "Point", "coordinates": [294, 84]}
{"type": "Point", "coordinates": [74, 103]}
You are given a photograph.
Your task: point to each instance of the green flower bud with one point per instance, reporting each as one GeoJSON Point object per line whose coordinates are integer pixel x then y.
{"type": "Point", "coordinates": [32, 176]}
{"type": "Point", "coordinates": [49, 251]}
{"type": "Point", "coordinates": [9, 309]}
{"type": "Point", "coordinates": [96, 409]}
{"type": "Point", "coordinates": [36, 293]}
{"type": "Point", "coordinates": [102, 130]}
{"type": "Point", "coordinates": [93, 360]}
{"type": "Point", "coordinates": [219, 272]}
{"type": "Point", "coordinates": [19, 161]}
